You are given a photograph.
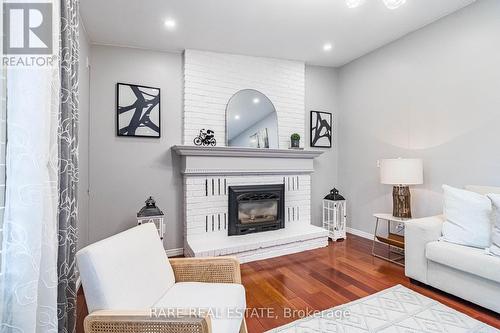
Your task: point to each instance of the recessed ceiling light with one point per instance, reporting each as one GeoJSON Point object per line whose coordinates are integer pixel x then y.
{"type": "Point", "coordinates": [327, 47]}
{"type": "Point", "coordinates": [237, 117]}
{"type": "Point", "coordinates": [354, 3]}
{"type": "Point", "coordinates": [394, 4]}
{"type": "Point", "coordinates": [170, 24]}
{"type": "Point", "coordinates": [256, 100]}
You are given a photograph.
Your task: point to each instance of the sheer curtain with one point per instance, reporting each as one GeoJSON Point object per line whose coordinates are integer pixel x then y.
{"type": "Point", "coordinates": [29, 248]}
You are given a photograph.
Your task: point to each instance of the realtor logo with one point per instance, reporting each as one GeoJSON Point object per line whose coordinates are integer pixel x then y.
{"type": "Point", "coordinates": [27, 28]}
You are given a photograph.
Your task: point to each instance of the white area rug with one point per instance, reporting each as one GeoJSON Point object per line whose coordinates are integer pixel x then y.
{"type": "Point", "coordinates": [397, 309]}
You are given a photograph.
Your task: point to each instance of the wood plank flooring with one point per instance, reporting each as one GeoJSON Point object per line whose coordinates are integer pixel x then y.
{"type": "Point", "coordinates": [320, 279]}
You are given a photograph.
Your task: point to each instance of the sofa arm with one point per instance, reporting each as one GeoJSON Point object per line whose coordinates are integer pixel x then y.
{"type": "Point", "coordinates": [107, 321]}
{"type": "Point", "coordinates": [215, 270]}
{"type": "Point", "coordinates": [418, 233]}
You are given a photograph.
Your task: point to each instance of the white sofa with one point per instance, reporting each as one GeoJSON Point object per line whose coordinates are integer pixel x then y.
{"type": "Point", "coordinates": [130, 284]}
{"type": "Point", "coordinates": [463, 271]}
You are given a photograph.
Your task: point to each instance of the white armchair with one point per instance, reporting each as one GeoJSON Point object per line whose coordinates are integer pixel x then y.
{"type": "Point", "coordinates": [130, 284]}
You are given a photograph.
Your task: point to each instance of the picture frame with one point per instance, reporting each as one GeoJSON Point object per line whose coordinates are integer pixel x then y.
{"type": "Point", "coordinates": [321, 125]}
{"type": "Point", "coordinates": [138, 112]}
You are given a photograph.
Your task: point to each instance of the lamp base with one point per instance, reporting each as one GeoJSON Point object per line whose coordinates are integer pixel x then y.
{"type": "Point", "coordinates": [401, 202]}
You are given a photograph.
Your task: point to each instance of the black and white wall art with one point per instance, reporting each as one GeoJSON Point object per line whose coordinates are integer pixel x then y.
{"type": "Point", "coordinates": [321, 129]}
{"type": "Point", "coordinates": [137, 110]}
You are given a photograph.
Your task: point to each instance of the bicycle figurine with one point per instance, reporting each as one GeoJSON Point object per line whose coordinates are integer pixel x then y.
{"type": "Point", "coordinates": [205, 138]}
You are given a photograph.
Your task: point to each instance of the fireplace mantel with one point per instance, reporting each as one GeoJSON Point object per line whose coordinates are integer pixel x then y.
{"type": "Point", "coordinates": [235, 160]}
{"type": "Point", "coordinates": [245, 152]}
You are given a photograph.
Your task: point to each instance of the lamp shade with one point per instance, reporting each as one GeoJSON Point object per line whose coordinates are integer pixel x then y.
{"type": "Point", "coordinates": [401, 171]}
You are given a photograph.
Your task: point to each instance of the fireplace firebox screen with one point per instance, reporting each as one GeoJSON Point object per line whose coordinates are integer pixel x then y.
{"type": "Point", "coordinates": [256, 208]}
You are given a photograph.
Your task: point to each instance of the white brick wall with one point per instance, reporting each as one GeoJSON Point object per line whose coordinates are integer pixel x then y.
{"type": "Point", "coordinates": [206, 202]}
{"type": "Point", "coordinates": [211, 79]}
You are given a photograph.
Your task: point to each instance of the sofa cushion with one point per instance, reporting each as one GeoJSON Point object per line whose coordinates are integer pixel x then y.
{"type": "Point", "coordinates": [464, 258]}
{"type": "Point", "coordinates": [225, 301]}
{"type": "Point", "coordinates": [128, 271]}
{"type": "Point", "coordinates": [468, 217]}
{"type": "Point", "coordinates": [495, 231]}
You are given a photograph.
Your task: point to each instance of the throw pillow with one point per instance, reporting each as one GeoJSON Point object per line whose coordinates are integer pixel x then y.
{"type": "Point", "coordinates": [495, 233]}
{"type": "Point", "coordinates": [468, 218]}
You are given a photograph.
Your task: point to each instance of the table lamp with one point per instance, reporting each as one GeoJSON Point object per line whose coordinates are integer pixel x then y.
{"type": "Point", "coordinates": [401, 172]}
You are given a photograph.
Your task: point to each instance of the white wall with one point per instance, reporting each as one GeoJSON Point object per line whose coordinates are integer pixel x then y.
{"type": "Point", "coordinates": [83, 137]}
{"type": "Point", "coordinates": [320, 95]}
{"type": "Point", "coordinates": [124, 170]}
{"type": "Point", "coordinates": [434, 94]}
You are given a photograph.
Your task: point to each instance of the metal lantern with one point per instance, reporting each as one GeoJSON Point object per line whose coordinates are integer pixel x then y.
{"type": "Point", "coordinates": [152, 214]}
{"type": "Point", "coordinates": [335, 215]}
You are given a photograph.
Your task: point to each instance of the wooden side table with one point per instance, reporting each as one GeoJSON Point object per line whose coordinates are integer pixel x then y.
{"type": "Point", "coordinates": [391, 239]}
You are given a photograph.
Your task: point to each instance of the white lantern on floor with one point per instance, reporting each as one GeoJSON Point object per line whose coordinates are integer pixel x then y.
{"type": "Point", "coordinates": [335, 215]}
{"type": "Point", "coordinates": [152, 214]}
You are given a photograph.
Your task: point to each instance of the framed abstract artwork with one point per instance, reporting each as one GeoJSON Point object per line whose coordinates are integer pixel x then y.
{"type": "Point", "coordinates": [321, 129]}
{"type": "Point", "coordinates": [137, 111]}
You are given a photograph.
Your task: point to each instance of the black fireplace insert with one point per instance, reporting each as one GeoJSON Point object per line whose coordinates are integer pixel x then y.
{"type": "Point", "coordinates": [256, 208]}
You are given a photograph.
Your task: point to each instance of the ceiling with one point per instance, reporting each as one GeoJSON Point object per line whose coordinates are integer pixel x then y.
{"type": "Point", "coordinates": [287, 29]}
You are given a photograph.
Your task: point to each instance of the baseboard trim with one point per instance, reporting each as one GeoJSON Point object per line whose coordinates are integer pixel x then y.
{"type": "Point", "coordinates": [359, 233]}
{"type": "Point", "coordinates": [175, 252]}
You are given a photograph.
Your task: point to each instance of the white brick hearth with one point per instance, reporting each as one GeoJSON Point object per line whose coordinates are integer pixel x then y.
{"type": "Point", "coordinates": [208, 172]}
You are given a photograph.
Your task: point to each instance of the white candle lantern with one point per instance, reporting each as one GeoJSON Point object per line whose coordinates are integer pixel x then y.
{"type": "Point", "coordinates": [152, 214]}
{"type": "Point", "coordinates": [335, 215]}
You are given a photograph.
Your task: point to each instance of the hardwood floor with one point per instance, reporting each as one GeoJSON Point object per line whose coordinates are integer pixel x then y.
{"type": "Point", "coordinates": [320, 279]}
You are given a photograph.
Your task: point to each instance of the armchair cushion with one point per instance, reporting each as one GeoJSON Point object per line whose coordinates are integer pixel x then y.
{"type": "Point", "coordinates": [128, 271]}
{"type": "Point", "coordinates": [225, 301]}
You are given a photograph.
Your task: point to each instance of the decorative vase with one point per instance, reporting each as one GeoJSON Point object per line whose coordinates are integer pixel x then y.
{"type": "Point", "coordinates": [295, 143]}
{"type": "Point", "coordinates": [401, 202]}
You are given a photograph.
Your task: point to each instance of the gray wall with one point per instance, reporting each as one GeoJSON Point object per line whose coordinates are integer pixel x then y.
{"type": "Point", "coordinates": [123, 171]}
{"type": "Point", "coordinates": [83, 152]}
{"type": "Point", "coordinates": [320, 95]}
{"type": "Point", "coordinates": [434, 94]}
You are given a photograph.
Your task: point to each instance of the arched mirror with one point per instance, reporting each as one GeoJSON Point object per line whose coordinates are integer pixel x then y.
{"type": "Point", "coordinates": [251, 120]}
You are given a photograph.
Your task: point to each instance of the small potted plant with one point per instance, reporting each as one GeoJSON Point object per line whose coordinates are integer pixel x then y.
{"type": "Point", "coordinates": [295, 140]}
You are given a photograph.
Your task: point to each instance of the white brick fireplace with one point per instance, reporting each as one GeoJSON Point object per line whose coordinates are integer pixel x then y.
{"type": "Point", "coordinates": [210, 80]}
{"type": "Point", "coordinates": [208, 173]}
